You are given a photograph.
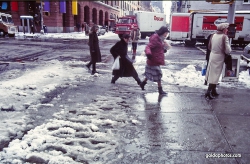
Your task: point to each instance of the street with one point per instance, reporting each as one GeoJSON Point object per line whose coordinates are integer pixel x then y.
{"type": "Point", "coordinates": [54, 111]}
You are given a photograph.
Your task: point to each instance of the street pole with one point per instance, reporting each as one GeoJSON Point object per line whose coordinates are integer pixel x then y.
{"type": "Point", "coordinates": [231, 16]}
{"type": "Point", "coordinates": [41, 16]}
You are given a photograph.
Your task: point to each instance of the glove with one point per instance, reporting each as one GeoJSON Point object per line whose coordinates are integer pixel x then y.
{"type": "Point", "coordinates": [149, 56]}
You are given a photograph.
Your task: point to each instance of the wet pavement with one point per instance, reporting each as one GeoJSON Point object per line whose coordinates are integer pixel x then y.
{"type": "Point", "coordinates": [180, 127]}
{"type": "Point", "coordinates": [184, 127]}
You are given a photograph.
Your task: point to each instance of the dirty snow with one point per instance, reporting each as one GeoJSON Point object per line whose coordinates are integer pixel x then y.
{"type": "Point", "coordinates": [63, 138]}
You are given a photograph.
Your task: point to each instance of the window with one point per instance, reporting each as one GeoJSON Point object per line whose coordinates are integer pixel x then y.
{"type": "Point", "coordinates": [246, 1]}
{"type": "Point", "coordinates": [4, 19]}
{"type": "Point", "coordinates": [4, 7]}
{"type": "Point", "coordinates": [123, 21]}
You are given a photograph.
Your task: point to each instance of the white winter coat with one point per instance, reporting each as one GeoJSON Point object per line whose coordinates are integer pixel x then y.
{"type": "Point", "coordinates": [218, 48]}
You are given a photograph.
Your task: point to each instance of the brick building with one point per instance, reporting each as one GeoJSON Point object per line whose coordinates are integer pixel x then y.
{"type": "Point", "coordinates": [63, 16]}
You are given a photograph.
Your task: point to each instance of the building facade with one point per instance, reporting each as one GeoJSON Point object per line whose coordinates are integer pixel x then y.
{"type": "Point", "coordinates": [63, 16]}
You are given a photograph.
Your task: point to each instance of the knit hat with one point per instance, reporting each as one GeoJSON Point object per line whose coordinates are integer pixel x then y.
{"type": "Point", "coordinates": [222, 26]}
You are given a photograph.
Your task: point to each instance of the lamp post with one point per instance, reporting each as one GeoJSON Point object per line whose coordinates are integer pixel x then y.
{"type": "Point", "coordinates": [231, 16]}
{"type": "Point", "coordinates": [41, 16]}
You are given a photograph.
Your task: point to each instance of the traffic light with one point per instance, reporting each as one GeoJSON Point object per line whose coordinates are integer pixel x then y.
{"type": "Point", "coordinates": [231, 31]}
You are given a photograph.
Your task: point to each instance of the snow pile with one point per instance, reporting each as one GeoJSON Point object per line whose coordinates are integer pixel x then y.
{"type": "Point", "coordinates": [83, 136]}
{"type": "Point", "coordinates": [33, 85]}
{"type": "Point", "coordinates": [72, 35]}
{"type": "Point", "coordinates": [244, 77]}
{"type": "Point", "coordinates": [188, 76]}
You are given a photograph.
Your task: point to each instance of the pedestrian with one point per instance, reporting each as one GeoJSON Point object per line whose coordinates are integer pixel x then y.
{"type": "Point", "coordinates": [155, 57]}
{"type": "Point", "coordinates": [207, 53]}
{"type": "Point", "coordinates": [219, 46]}
{"type": "Point", "coordinates": [107, 28]}
{"type": "Point", "coordinates": [78, 26]}
{"type": "Point", "coordinates": [45, 29]}
{"type": "Point", "coordinates": [32, 27]}
{"type": "Point", "coordinates": [135, 35]}
{"type": "Point", "coordinates": [83, 27]}
{"type": "Point", "coordinates": [86, 29]}
{"type": "Point", "coordinates": [127, 69]}
{"type": "Point", "coordinates": [94, 49]}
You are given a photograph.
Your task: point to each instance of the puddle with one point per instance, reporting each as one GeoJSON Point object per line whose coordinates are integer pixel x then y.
{"type": "Point", "coordinates": [172, 102]}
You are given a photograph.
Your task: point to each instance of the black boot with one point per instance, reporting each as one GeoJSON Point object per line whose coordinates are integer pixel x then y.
{"type": "Point", "coordinates": [138, 80]}
{"type": "Point", "coordinates": [88, 66]}
{"type": "Point", "coordinates": [94, 69]}
{"type": "Point", "coordinates": [214, 92]}
{"type": "Point", "coordinates": [143, 84]}
{"type": "Point", "coordinates": [209, 95]}
{"type": "Point", "coordinates": [93, 72]}
{"type": "Point", "coordinates": [114, 79]}
{"type": "Point", "coordinates": [161, 92]}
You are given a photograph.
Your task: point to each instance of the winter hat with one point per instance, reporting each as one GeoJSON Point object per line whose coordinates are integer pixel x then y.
{"type": "Point", "coordinates": [222, 26]}
{"type": "Point", "coordinates": [162, 30]}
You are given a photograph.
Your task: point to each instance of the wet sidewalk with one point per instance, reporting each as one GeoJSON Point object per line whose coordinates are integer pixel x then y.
{"type": "Point", "coordinates": [184, 127]}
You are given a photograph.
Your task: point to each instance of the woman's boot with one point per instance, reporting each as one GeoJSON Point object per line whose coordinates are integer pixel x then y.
{"type": "Point", "coordinates": [143, 84]}
{"type": "Point", "coordinates": [94, 69]}
{"type": "Point", "coordinates": [209, 95]}
{"type": "Point", "coordinates": [214, 92]}
{"type": "Point", "coordinates": [114, 79]}
{"type": "Point", "coordinates": [88, 65]}
{"type": "Point", "coordinates": [138, 80]}
{"type": "Point", "coordinates": [161, 92]}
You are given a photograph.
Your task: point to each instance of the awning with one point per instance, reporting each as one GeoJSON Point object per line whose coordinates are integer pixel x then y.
{"type": "Point", "coordinates": [26, 17]}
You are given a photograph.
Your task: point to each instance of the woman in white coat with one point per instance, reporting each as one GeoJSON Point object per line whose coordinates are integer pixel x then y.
{"type": "Point", "coordinates": [219, 46]}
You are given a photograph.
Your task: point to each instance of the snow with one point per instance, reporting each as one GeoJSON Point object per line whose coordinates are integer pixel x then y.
{"type": "Point", "coordinates": [65, 137]}
{"type": "Point", "coordinates": [72, 35]}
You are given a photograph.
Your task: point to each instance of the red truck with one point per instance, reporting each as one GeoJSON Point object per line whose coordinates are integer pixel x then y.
{"type": "Point", "coordinates": [147, 22]}
{"type": "Point", "coordinates": [202, 24]}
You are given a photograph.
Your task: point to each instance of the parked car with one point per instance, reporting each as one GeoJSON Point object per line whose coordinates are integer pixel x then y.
{"type": "Point", "coordinates": [246, 54]}
{"type": "Point", "coordinates": [101, 30]}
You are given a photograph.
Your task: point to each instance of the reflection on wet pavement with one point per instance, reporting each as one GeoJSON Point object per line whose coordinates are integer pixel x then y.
{"type": "Point", "coordinates": [174, 126]}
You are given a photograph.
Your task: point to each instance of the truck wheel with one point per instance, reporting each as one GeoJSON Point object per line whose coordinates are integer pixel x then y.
{"type": "Point", "coordinates": [190, 43]}
{"type": "Point", "coordinates": [2, 33]}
